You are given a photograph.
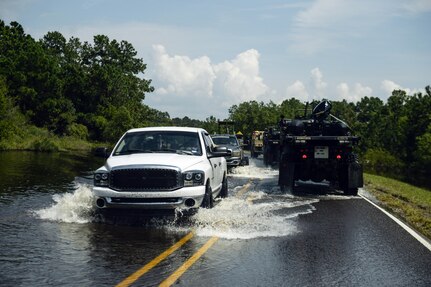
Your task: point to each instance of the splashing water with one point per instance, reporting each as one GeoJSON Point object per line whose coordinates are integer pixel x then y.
{"type": "Point", "coordinates": [254, 170]}
{"type": "Point", "coordinates": [235, 218]}
{"type": "Point", "coordinates": [75, 207]}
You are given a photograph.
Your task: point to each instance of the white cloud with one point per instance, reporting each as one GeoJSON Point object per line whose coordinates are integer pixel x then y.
{"type": "Point", "coordinates": [238, 80]}
{"type": "Point", "coordinates": [352, 95]}
{"type": "Point", "coordinates": [182, 76]}
{"type": "Point", "coordinates": [199, 88]}
{"type": "Point", "coordinates": [298, 91]}
{"type": "Point", "coordinates": [389, 86]}
{"type": "Point", "coordinates": [319, 85]}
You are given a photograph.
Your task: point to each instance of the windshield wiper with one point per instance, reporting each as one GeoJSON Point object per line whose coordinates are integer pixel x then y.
{"type": "Point", "coordinates": [185, 152]}
{"type": "Point", "coordinates": [165, 150]}
{"type": "Point", "coordinates": [132, 151]}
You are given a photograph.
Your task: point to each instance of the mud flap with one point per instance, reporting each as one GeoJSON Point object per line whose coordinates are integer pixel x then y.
{"type": "Point", "coordinates": [286, 174]}
{"type": "Point", "coordinates": [355, 175]}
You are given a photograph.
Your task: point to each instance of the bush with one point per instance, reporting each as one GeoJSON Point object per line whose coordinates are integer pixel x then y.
{"type": "Point", "coordinates": [77, 131]}
{"type": "Point", "coordinates": [380, 161]}
{"type": "Point", "coordinates": [45, 144]}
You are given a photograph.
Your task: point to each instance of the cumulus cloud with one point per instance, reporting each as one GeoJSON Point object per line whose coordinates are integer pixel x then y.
{"type": "Point", "coordinates": [182, 76]}
{"type": "Point", "coordinates": [238, 80]}
{"type": "Point", "coordinates": [298, 91]}
{"type": "Point", "coordinates": [198, 88]}
{"type": "Point", "coordinates": [389, 86]}
{"type": "Point", "coordinates": [315, 91]}
{"type": "Point", "coordinates": [319, 85]}
{"type": "Point", "coordinates": [344, 92]}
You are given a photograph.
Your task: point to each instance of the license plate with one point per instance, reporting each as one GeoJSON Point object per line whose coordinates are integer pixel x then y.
{"type": "Point", "coordinates": [321, 152]}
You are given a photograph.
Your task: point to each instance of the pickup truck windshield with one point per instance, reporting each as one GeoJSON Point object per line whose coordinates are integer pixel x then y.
{"type": "Point", "coordinates": [160, 142]}
{"type": "Point", "coordinates": [225, 141]}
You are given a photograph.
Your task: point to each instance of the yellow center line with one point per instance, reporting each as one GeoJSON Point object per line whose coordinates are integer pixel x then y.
{"type": "Point", "coordinates": [135, 276]}
{"type": "Point", "coordinates": [243, 189]}
{"type": "Point", "coordinates": [180, 271]}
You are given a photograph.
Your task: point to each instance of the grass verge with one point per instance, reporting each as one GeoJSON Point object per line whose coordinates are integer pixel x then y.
{"type": "Point", "coordinates": [37, 139]}
{"type": "Point", "coordinates": [409, 203]}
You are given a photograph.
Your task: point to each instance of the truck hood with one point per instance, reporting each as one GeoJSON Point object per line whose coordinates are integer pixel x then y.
{"type": "Point", "coordinates": [184, 162]}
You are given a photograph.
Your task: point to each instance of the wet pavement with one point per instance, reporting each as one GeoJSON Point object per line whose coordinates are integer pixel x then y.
{"type": "Point", "coordinates": [257, 236]}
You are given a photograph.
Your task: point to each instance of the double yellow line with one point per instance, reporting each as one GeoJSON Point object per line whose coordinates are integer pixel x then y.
{"type": "Point", "coordinates": [183, 268]}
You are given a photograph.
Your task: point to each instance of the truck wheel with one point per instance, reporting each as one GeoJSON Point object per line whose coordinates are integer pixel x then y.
{"type": "Point", "coordinates": [286, 178]}
{"type": "Point", "coordinates": [351, 191]}
{"type": "Point", "coordinates": [224, 188]}
{"type": "Point", "coordinates": [287, 188]}
{"type": "Point", "coordinates": [208, 201]}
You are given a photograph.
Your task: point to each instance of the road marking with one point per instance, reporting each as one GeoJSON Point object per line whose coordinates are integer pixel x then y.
{"type": "Point", "coordinates": [180, 271]}
{"type": "Point", "coordinates": [192, 260]}
{"type": "Point", "coordinates": [243, 189]}
{"type": "Point", "coordinates": [412, 232]}
{"type": "Point", "coordinates": [135, 276]}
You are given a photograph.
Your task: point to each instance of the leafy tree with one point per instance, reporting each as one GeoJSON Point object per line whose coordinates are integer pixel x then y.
{"type": "Point", "coordinates": [32, 77]}
{"type": "Point", "coordinates": [210, 125]}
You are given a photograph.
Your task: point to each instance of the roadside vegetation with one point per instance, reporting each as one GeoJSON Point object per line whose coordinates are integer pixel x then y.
{"type": "Point", "coordinates": [409, 203]}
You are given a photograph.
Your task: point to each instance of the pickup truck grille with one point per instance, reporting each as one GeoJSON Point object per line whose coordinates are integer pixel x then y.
{"type": "Point", "coordinates": [145, 179]}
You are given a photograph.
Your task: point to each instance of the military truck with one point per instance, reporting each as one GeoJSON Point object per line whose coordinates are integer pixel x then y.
{"type": "Point", "coordinates": [271, 146]}
{"type": "Point", "coordinates": [256, 144]}
{"type": "Point", "coordinates": [319, 147]}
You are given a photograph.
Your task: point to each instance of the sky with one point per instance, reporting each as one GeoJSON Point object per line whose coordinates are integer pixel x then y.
{"type": "Point", "coordinates": [204, 56]}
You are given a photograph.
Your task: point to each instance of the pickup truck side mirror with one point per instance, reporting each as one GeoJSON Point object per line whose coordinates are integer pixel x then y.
{"type": "Point", "coordinates": [102, 152]}
{"type": "Point", "coordinates": [220, 151]}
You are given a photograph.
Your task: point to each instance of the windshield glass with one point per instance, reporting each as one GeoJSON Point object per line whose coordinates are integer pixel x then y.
{"type": "Point", "coordinates": [160, 141]}
{"type": "Point", "coordinates": [225, 141]}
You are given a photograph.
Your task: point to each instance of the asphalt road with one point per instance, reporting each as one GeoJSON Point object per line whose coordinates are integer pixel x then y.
{"type": "Point", "coordinates": [315, 238]}
{"type": "Point", "coordinates": [257, 236]}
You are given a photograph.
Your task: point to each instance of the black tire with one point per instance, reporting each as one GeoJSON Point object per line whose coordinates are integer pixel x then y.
{"type": "Point", "coordinates": [208, 201]}
{"type": "Point", "coordinates": [224, 188]}
{"type": "Point", "coordinates": [351, 191]}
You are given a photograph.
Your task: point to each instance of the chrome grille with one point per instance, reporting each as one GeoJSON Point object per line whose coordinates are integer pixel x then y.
{"type": "Point", "coordinates": [145, 179]}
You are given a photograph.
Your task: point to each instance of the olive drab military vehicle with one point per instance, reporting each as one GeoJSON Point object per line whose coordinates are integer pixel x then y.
{"type": "Point", "coordinates": [256, 144]}
{"type": "Point", "coordinates": [271, 146]}
{"type": "Point", "coordinates": [319, 147]}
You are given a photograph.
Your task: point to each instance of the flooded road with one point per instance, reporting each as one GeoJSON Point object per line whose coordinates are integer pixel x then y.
{"type": "Point", "coordinates": [257, 236]}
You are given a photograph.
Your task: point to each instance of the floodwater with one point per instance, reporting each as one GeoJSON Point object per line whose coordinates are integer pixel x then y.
{"type": "Point", "coordinates": [50, 235]}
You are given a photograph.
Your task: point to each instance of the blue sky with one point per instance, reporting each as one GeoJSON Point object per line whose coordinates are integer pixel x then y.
{"type": "Point", "coordinates": [205, 56]}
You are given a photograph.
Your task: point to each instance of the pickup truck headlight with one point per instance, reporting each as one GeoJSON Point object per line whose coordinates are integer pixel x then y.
{"type": "Point", "coordinates": [193, 178]}
{"type": "Point", "coordinates": [101, 179]}
{"type": "Point", "coordinates": [236, 153]}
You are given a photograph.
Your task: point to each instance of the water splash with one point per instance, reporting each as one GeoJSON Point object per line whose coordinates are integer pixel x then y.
{"type": "Point", "coordinates": [257, 216]}
{"type": "Point", "coordinates": [255, 169]}
{"type": "Point", "coordinates": [75, 207]}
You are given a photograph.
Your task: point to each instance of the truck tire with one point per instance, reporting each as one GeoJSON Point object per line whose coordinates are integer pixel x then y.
{"type": "Point", "coordinates": [351, 191]}
{"type": "Point", "coordinates": [224, 188]}
{"type": "Point", "coordinates": [286, 178]}
{"type": "Point", "coordinates": [208, 201]}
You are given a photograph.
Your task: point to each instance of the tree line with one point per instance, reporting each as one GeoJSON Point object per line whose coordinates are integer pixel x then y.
{"type": "Point", "coordinates": [95, 91]}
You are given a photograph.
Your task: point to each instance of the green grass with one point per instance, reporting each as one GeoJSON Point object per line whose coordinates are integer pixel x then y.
{"type": "Point", "coordinates": [410, 203]}
{"type": "Point", "coordinates": [37, 139]}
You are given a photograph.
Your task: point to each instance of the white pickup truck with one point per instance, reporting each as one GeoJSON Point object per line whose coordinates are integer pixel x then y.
{"type": "Point", "coordinates": [162, 168]}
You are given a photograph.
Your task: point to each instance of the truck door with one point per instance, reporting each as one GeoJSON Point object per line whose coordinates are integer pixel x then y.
{"type": "Point", "coordinates": [215, 162]}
